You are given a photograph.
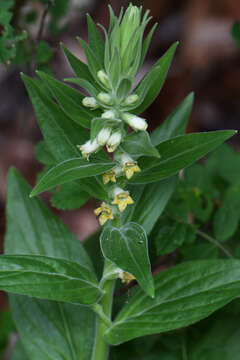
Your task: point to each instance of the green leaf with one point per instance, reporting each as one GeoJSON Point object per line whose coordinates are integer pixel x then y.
{"type": "Point", "coordinates": [43, 154]}
{"type": "Point", "coordinates": [93, 63]}
{"type": "Point", "coordinates": [71, 327]}
{"type": "Point", "coordinates": [48, 278]}
{"type": "Point", "coordinates": [227, 217]}
{"type": "Point", "coordinates": [146, 44]}
{"type": "Point", "coordinates": [70, 196]}
{"type": "Point", "coordinates": [69, 99]}
{"type": "Point", "coordinates": [115, 68]}
{"type": "Point", "coordinates": [178, 153]}
{"type": "Point", "coordinates": [70, 170]}
{"type": "Point", "coordinates": [199, 252]}
{"type": "Point", "coordinates": [127, 247]}
{"type": "Point", "coordinates": [95, 188]}
{"type": "Point", "coordinates": [85, 85]}
{"type": "Point", "coordinates": [18, 352]}
{"type": "Point", "coordinates": [152, 83]}
{"type": "Point", "coordinates": [95, 41]}
{"type": "Point", "coordinates": [155, 198]}
{"type": "Point", "coordinates": [185, 294]}
{"type": "Point", "coordinates": [139, 144]}
{"type": "Point", "coordinates": [60, 132]}
{"type": "Point", "coordinates": [79, 68]}
{"type": "Point", "coordinates": [124, 87]}
{"type": "Point", "coordinates": [176, 122]}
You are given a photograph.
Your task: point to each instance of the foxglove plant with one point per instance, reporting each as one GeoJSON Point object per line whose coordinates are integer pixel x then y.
{"type": "Point", "coordinates": [62, 309]}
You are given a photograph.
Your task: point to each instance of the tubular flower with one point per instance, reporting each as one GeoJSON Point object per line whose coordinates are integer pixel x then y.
{"type": "Point", "coordinates": [104, 213]}
{"type": "Point", "coordinates": [90, 102]}
{"type": "Point", "coordinates": [136, 122]}
{"type": "Point", "coordinates": [88, 148]}
{"type": "Point", "coordinates": [130, 168]}
{"type": "Point", "coordinates": [103, 136]}
{"type": "Point", "coordinates": [109, 176]}
{"type": "Point", "coordinates": [121, 198]}
{"type": "Point", "coordinates": [125, 277]}
{"type": "Point", "coordinates": [114, 141]}
{"type": "Point", "coordinates": [105, 98]}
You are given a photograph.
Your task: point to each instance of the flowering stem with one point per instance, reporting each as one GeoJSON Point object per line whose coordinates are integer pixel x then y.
{"type": "Point", "coordinates": [101, 347]}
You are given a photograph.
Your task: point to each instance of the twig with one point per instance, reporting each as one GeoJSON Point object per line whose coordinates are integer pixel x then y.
{"type": "Point", "coordinates": [40, 32]}
{"type": "Point", "coordinates": [215, 242]}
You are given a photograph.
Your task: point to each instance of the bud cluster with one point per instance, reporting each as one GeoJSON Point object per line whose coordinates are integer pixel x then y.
{"type": "Point", "coordinates": [121, 62]}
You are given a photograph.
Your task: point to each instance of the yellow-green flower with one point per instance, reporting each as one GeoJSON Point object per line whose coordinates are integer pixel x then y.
{"type": "Point", "coordinates": [126, 277]}
{"type": "Point", "coordinates": [109, 176]}
{"type": "Point", "coordinates": [122, 199]}
{"type": "Point", "coordinates": [104, 213]}
{"type": "Point", "coordinates": [130, 168]}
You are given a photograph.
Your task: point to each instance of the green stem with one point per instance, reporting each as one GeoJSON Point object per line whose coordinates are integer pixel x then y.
{"type": "Point", "coordinates": [101, 347]}
{"type": "Point", "coordinates": [215, 242]}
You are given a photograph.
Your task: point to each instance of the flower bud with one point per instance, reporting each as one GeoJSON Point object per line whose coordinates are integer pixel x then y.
{"type": "Point", "coordinates": [131, 99]}
{"type": "Point", "coordinates": [88, 148]}
{"type": "Point", "coordinates": [114, 141]}
{"type": "Point", "coordinates": [102, 76]}
{"type": "Point", "coordinates": [130, 22]}
{"type": "Point", "coordinates": [90, 102]}
{"type": "Point", "coordinates": [105, 98]}
{"type": "Point", "coordinates": [109, 114]}
{"type": "Point", "coordinates": [135, 122]}
{"type": "Point", "coordinates": [103, 136]}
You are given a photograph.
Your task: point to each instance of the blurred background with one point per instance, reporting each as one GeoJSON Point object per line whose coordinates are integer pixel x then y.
{"type": "Point", "coordinates": [207, 62]}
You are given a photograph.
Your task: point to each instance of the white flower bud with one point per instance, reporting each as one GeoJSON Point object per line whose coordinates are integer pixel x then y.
{"type": "Point", "coordinates": [102, 76]}
{"type": "Point", "coordinates": [114, 141]}
{"type": "Point", "coordinates": [90, 102]}
{"type": "Point", "coordinates": [131, 99]}
{"type": "Point", "coordinates": [109, 114]}
{"type": "Point", "coordinates": [135, 122]}
{"type": "Point", "coordinates": [105, 98]}
{"type": "Point", "coordinates": [88, 148]}
{"type": "Point", "coordinates": [103, 136]}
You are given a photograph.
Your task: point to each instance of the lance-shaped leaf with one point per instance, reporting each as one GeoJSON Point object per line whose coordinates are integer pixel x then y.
{"type": "Point", "coordinates": [69, 99]}
{"type": "Point", "coordinates": [70, 196]}
{"type": "Point", "coordinates": [79, 68]}
{"type": "Point", "coordinates": [184, 294]}
{"type": "Point", "coordinates": [127, 247]}
{"type": "Point", "coordinates": [152, 83]}
{"type": "Point", "coordinates": [48, 278]}
{"type": "Point", "coordinates": [60, 132]}
{"type": "Point", "coordinates": [176, 122]}
{"type": "Point", "coordinates": [71, 326]}
{"type": "Point", "coordinates": [155, 198]}
{"type": "Point", "coordinates": [93, 63]}
{"type": "Point", "coordinates": [70, 170]}
{"type": "Point", "coordinates": [139, 144]}
{"type": "Point", "coordinates": [178, 153]}
{"type": "Point", "coordinates": [95, 40]}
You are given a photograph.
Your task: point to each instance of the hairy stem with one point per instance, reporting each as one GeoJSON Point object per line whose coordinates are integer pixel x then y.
{"type": "Point", "coordinates": [101, 347]}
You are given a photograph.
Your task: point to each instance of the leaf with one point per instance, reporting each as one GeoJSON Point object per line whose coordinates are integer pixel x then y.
{"type": "Point", "coordinates": [95, 41]}
{"type": "Point", "coordinates": [176, 122]}
{"type": "Point", "coordinates": [43, 153]}
{"type": "Point", "coordinates": [48, 278]}
{"type": "Point", "coordinates": [155, 198]}
{"type": "Point", "coordinates": [139, 144]}
{"type": "Point", "coordinates": [178, 153]}
{"type": "Point", "coordinates": [226, 218]}
{"type": "Point", "coordinates": [235, 31]}
{"type": "Point", "coordinates": [71, 327]}
{"type": "Point", "coordinates": [70, 170]}
{"type": "Point", "coordinates": [115, 68]}
{"type": "Point", "coordinates": [44, 52]}
{"type": "Point", "coordinates": [185, 294]}
{"type": "Point", "coordinates": [152, 83]}
{"type": "Point", "coordinates": [127, 247]}
{"type": "Point", "coordinates": [93, 63]}
{"type": "Point", "coordinates": [124, 87]}
{"type": "Point", "coordinates": [69, 99]}
{"type": "Point", "coordinates": [61, 133]}
{"type": "Point", "coordinates": [70, 196]}
{"type": "Point", "coordinates": [146, 44]}
{"type": "Point", "coordinates": [80, 69]}
{"type": "Point", "coordinates": [18, 352]}
{"type": "Point", "coordinates": [199, 252]}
